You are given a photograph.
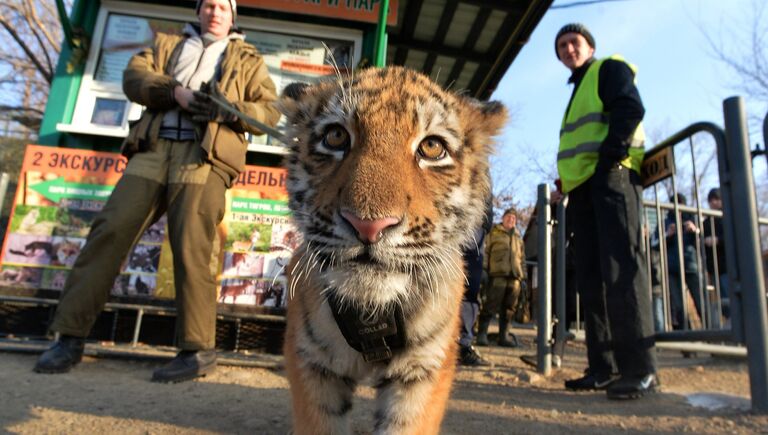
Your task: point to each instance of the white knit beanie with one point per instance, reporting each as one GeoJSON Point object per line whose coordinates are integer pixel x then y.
{"type": "Point", "coordinates": [232, 3]}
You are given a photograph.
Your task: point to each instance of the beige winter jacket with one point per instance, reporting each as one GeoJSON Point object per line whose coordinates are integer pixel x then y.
{"type": "Point", "coordinates": [244, 81]}
{"type": "Point", "coordinates": [504, 253]}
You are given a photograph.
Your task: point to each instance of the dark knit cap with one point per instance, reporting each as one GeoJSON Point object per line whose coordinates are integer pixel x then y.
{"type": "Point", "coordinates": [575, 28]}
{"type": "Point", "coordinates": [713, 194]}
{"type": "Point", "coordinates": [232, 4]}
{"type": "Point", "coordinates": [681, 199]}
{"type": "Point", "coordinates": [510, 210]}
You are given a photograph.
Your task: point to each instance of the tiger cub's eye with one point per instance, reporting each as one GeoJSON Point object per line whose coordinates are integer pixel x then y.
{"type": "Point", "coordinates": [432, 148]}
{"type": "Point", "coordinates": [336, 138]}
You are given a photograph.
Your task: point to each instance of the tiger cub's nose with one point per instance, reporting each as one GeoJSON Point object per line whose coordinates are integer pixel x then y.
{"type": "Point", "coordinates": [369, 231]}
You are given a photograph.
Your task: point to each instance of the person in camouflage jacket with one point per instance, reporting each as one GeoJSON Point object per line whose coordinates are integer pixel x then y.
{"type": "Point", "coordinates": [504, 262]}
{"type": "Point", "coordinates": [184, 152]}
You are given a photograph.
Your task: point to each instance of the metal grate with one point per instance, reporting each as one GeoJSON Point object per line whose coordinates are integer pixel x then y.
{"type": "Point", "coordinates": [118, 325]}
{"type": "Point", "coordinates": [23, 320]}
{"type": "Point", "coordinates": [261, 336]}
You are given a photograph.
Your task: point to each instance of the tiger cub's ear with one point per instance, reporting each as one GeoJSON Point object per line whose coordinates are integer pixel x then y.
{"type": "Point", "coordinates": [485, 117]}
{"type": "Point", "coordinates": [295, 91]}
{"type": "Point", "coordinates": [290, 98]}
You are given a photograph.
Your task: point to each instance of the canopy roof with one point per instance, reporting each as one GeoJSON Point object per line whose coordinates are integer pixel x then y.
{"type": "Point", "coordinates": [465, 44]}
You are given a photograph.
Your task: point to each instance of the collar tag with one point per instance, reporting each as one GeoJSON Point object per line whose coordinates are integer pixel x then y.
{"type": "Point", "coordinates": [376, 351]}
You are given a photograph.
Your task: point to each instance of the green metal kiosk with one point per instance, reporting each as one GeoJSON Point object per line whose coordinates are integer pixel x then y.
{"type": "Point", "coordinates": [463, 44]}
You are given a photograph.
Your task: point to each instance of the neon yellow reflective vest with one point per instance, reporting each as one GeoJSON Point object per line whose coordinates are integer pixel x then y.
{"type": "Point", "coordinates": [585, 126]}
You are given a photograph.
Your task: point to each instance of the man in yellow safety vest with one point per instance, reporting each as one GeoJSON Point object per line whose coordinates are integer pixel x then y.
{"type": "Point", "coordinates": [601, 150]}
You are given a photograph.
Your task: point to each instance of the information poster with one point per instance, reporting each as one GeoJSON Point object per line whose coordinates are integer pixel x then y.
{"type": "Point", "coordinates": [289, 58]}
{"type": "Point", "coordinates": [124, 36]}
{"type": "Point", "coordinates": [259, 239]}
{"type": "Point", "coordinates": [296, 58]}
{"type": "Point", "coordinates": [61, 190]}
{"type": "Point", "coordinates": [292, 58]}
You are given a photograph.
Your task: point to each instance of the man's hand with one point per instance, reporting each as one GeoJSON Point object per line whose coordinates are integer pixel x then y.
{"type": "Point", "coordinates": [690, 227]}
{"type": "Point", "coordinates": [183, 96]}
{"type": "Point", "coordinates": [204, 109]}
{"type": "Point", "coordinates": [555, 196]}
{"type": "Point", "coordinates": [671, 230]}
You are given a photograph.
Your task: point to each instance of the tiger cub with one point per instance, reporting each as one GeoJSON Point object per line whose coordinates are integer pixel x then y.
{"type": "Point", "coordinates": [387, 178]}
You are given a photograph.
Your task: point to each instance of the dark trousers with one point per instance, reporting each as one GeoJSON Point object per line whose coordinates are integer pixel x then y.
{"type": "Point", "coordinates": [611, 272]}
{"type": "Point", "coordinates": [470, 305]}
{"type": "Point", "coordinates": [678, 298]}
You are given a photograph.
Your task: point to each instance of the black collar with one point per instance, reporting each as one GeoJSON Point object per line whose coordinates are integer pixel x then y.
{"type": "Point", "coordinates": [579, 72]}
{"type": "Point", "coordinates": [376, 337]}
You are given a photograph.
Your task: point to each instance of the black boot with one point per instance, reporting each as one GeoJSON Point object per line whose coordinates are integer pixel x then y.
{"type": "Point", "coordinates": [482, 330]}
{"type": "Point", "coordinates": [505, 341]}
{"type": "Point", "coordinates": [188, 364]}
{"type": "Point", "coordinates": [62, 356]}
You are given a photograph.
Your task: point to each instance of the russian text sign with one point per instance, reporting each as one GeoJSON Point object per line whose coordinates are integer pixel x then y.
{"type": "Point", "coordinates": [61, 190]}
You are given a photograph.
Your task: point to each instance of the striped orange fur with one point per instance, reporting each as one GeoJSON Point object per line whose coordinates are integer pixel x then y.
{"type": "Point", "coordinates": [387, 176]}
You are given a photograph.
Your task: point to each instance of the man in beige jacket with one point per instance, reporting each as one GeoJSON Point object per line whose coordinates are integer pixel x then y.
{"type": "Point", "coordinates": [184, 152]}
{"type": "Point", "coordinates": [504, 261]}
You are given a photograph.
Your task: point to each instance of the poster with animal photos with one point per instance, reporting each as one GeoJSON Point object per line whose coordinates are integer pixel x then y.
{"type": "Point", "coordinates": [258, 241]}
{"type": "Point", "coordinates": [60, 192]}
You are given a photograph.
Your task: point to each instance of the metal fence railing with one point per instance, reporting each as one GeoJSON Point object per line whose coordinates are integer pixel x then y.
{"type": "Point", "coordinates": [689, 303]}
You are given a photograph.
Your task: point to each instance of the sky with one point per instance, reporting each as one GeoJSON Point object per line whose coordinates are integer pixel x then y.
{"type": "Point", "coordinates": [679, 78]}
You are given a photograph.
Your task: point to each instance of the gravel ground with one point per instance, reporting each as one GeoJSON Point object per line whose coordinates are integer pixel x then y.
{"type": "Point", "coordinates": [115, 396]}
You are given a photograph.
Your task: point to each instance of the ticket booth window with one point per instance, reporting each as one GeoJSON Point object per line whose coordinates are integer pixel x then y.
{"type": "Point", "coordinates": [291, 51]}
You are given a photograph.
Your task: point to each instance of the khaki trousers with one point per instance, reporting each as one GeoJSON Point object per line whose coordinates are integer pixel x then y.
{"type": "Point", "coordinates": [172, 178]}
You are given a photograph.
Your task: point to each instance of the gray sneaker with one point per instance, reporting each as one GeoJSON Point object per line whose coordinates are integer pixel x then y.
{"type": "Point", "coordinates": [633, 387]}
{"type": "Point", "coordinates": [468, 356]}
{"type": "Point", "coordinates": [590, 382]}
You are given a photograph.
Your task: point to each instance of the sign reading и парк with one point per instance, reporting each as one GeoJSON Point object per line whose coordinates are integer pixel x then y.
{"type": "Point", "coordinates": [354, 10]}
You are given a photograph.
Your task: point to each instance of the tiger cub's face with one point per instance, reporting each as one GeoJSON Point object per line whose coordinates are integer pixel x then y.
{"type": "Point", "coordinates": [387, 177]}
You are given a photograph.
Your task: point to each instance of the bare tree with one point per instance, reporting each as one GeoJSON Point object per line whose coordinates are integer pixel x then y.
{"type": "Point", "coordinates": [31, 37]}
{"type": "Point", "coordinates": [746, 55]}
{"type": "Point", "coordinates": [511, 182]}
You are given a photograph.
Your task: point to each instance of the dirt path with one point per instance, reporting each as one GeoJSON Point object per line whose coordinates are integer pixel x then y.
{"type": "Point", "coordinates": [114, 396]}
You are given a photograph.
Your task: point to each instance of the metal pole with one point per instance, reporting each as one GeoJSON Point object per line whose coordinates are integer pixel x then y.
{"type": "Point", "coordinates": [380, 57]}
{"type": "Point", "coordinates": [560, 287]}
{"type": "Point", "coordinates": [66, 26]}
{"type": "Point", "coordinates": [765, 137]}
{"type": "Point", "coordinates": [682, 288]}
{"type": "Point", "coordinates": [703, 306]}
{"type": "Point", "coordinates": [544, 347]}
{"type": "Point", "coordinates": [663, 266]}
{"type": "Point", "coordinates": [750, 284]}
{"type": "Point", "coordinates": [4, 179]}
{"type": "Point", "coordinates": [137, 327]}
{"type": "Point", "coordinates": [697, 346]}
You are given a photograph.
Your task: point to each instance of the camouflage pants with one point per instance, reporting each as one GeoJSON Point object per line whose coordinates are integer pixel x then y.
{"type": "Point", "coordinates": [501, 295]}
